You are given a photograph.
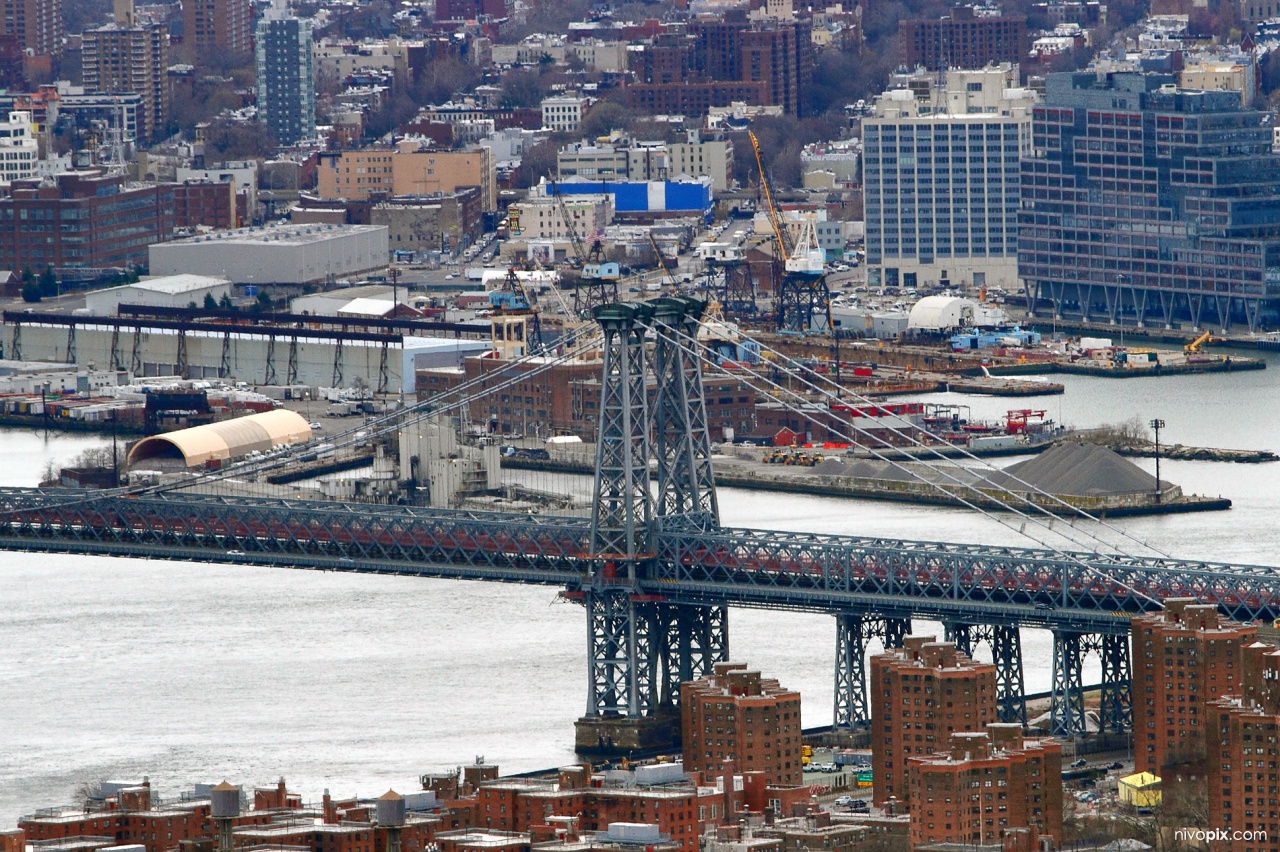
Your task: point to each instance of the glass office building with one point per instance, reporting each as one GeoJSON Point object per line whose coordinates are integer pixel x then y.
{"type": "Point", "coordinates": [1146, 204]}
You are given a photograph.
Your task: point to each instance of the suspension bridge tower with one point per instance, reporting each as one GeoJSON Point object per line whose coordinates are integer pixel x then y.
{"type": "Point", "coordinates": [640, 648]}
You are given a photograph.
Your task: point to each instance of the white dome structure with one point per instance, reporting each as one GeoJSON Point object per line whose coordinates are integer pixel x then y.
{"type": "Point", "coordinates": [937, 314]}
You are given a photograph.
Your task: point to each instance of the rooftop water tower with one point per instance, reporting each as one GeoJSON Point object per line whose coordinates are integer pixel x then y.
{"type": "Point", "coordinates": [391, 816]}
{"type": "Point", "coordinates": [224, 808]}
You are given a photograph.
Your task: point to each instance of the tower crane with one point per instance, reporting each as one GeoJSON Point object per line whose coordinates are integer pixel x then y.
{"type": "Point", "coordinates": [802, 295]}
{"type": "Point", "coordinates": [600, 288]}
{"type": "Point", "coordinates": [662, 260]}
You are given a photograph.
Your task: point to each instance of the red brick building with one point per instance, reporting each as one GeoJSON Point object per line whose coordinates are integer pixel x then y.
{"type": "Point", "coordinates": [210, 25]}
{"type": "Point", "coordinates": [212, 204]}
{"type": "Point", "coordinates": [963, 40]}
{"type": "Point", "coordinates": [128, 817]}
{"type": "Point", "coordinates": [565, 400]}
{"type": "Point", "coordinates": [1243, 788]}
{"type": "Point", "coordinates": [986, 784]}
{"type": "Point", "coordinates": [721, 59]}
{"type": "Point", "coordinates": [736, 718]}
{"type": "Point", "coordinates": [84, 221]}
{"type": "Point", "coordinates": [681, 811]}
{"type": "Point", "coordinates": [921, 694]}
{"type": "Point", "coordinates": [1183, 657]}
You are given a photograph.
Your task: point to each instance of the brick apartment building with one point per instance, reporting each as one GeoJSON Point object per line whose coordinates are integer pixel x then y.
{"type": "Point", "coordinates": [213, 204]}
{"type": "Point", "coordinates": [36, 25]}
{"type": "Point", "coordinates": [963, 40]}
{"type": "Point", "coordinates": [723, 59]}
{"type": "Point", "coordinates": [119, 59]}
{"type": "Point", "coordinates": [218, 25]}
{"type": "Point", "coordinates": [83, 221]}
{"type": "Point", "coordinates": [985, 785]}
{"type": "Point", "coordinates": [921, 694]}
{"type": "Point", "coordinates": [129, 819]}
{"type": "Point", "coordinates": [1183, 657]}
{"type": "Point", "coordinates": [1243, 788]}
{"type": "Point", "coordinates": [566, 399]}
{"type": "Point", "coordinates": [736, 718]}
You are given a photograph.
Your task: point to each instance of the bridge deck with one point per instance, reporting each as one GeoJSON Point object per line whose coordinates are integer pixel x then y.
{"type": "Point", "coordinates": [739, 567]}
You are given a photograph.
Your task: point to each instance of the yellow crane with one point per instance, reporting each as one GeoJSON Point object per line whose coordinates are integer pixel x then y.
{"type": "Point", "coordinates": [803, 257]}
{"type": "Point", "coordinates": [1202, 340]}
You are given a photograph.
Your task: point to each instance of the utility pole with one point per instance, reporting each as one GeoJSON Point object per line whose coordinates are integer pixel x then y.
{"type": "Point", "coordinates": [1156, 425]}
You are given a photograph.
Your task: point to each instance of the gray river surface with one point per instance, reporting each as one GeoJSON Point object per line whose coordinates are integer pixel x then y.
{"type": "Point", "coordinates": [120, 668]}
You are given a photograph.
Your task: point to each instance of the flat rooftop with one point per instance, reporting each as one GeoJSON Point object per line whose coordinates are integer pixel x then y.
{"type": "Point", "coordinates": [289, 234]}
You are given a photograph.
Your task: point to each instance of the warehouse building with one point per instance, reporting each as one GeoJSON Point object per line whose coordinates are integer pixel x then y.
{"type": "Point", "coordinates": [277, 254]}
{"type": "Point", "coordinates": [343, 354]}
{"type": "Point", "coordinates": [169, 291]}
{"type": "Point", "coordinates": [226, 441]}
{"type": "Point", "coordinates": [646, 201]}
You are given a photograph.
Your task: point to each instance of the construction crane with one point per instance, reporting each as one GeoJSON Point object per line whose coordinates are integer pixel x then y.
{"type": "Point", "coordinates": [662, 261]}
{"type": "Point", "coordinates": [1202, 340]}
{"type": "Point", "coordinates": [601, 288]}
{"type": "Point", "coordinates": [514, 300]}
{"type": "Point", "coordinates": [802, 294]}
{"type": "Point", "coordinates": [803, 256]}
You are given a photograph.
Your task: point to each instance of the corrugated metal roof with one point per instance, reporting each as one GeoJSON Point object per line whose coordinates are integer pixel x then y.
{"type": "Point", "coordinates": [229, 439]}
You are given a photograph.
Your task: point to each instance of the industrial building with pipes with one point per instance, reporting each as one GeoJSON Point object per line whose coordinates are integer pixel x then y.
{"type": "Point", "coordinates": [218, 443]}
{"type": "Point", "coordinates": [277, 254]}
{"type": "Point", "coordinates": [381, 359]}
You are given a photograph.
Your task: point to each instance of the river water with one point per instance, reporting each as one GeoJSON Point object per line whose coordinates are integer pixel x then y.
{"type": "Point", "coordinates": [119, 668]}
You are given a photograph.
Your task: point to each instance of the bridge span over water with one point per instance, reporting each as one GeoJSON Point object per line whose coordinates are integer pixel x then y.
{"type": "Point", "coordinates": [656, 571]}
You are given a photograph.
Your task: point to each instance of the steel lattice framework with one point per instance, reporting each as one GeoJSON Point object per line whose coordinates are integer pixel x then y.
{"type": "Point", "coordinates": [656, 574]}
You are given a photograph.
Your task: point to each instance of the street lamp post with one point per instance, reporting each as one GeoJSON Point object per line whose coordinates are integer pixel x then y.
{"type": "Point", "coordinates": [1156, 425]}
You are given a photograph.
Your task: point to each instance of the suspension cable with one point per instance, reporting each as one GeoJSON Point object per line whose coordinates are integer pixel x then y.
{"type": "Point", "coordinates": [447, 402]}
{"type": "Point", "coordinates": [698, 351]}
{"type": "Point", "coordinates": [910, 433]}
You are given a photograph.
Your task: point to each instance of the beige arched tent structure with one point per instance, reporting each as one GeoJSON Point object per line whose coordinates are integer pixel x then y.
{"type": "Point", "coordinates": [225, 441]}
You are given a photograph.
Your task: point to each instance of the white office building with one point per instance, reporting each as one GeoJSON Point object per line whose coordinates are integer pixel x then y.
{"type": "Point", "coordinates": [19, 152]}
{"type": "Point", "coordinates": [941, 179]}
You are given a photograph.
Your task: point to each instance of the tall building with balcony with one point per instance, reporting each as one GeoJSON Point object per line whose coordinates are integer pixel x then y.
{"type": "Point", "coordinates": [1144, 203]}
{"type": "Point", "coordinates": [210, 25]}
{"type": "Point", "coordinates": [736, 716]}
{"type": "Point", "coordinates": [127, 59]}
{"type": "Point", "coordinates": [1184, 656]}
{"type": "Point", "coordinates": [286, 81]}
{"type": "Point", "coordinates": [921, 694]}
{"type": "Point", "coordinates": [35, 24]}
{"type": "Point", "coordinates": [942, 178]}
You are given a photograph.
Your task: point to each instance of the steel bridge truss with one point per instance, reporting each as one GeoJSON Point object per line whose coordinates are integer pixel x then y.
{"type": "Point", "coordinates": [637, 646]}
{"type": "Point", "coordinates": [1005, 643]}
{"type": "Point", "coordinates": [694, 573]}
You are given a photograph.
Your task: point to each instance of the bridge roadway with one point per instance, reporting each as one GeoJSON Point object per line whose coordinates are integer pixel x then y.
{"type": "Point", "coordinates": [961, 583]}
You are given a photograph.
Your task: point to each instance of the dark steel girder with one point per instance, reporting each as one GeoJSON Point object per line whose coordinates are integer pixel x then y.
{"type": "Point", "coordinates": [735, 567]}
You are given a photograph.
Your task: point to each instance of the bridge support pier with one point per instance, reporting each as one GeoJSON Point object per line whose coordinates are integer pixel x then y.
{"type": "Point", "coordinates": [694, 638]}
{"type": "Point", "coordinates": [1115, 713]}
{"type": "Point", "coordinates": [851, 709]}
{"type": "Point", "coordinates": [1067, 707]}
{"type": "Point", "coordinates": [1006, 653]}
{"type": "Point", "coordinates": [853, 630]}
